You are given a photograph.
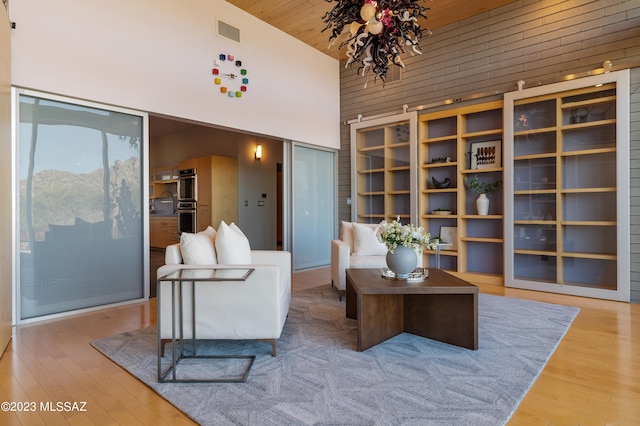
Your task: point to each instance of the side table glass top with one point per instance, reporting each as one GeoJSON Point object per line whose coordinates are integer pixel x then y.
{"type": "Point", "coordinates": [208, 274]}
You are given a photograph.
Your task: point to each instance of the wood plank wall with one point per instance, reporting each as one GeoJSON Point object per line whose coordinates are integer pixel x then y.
{"type": "Point", "coordinates": [538, 42]}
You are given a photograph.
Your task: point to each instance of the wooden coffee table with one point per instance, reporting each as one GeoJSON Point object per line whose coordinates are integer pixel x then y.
{"type": "Point", "coordinates": [441, 307]}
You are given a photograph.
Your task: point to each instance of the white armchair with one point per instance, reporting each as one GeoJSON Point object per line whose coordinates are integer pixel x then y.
{"type": "Point", "coordinates": [355, 251]}
{"type": "Point", "coordinates": [253, 309]}
{"type": "Point", "coordinates": [358, 247]}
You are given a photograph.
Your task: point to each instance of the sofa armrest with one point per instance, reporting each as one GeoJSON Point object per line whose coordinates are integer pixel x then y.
{"type": "Point", "coordinates": [252, 309]}
{"type": "Point", "coordinates": [272, 257]}
{"type": "Point", "coordinates": [340, 260]}
{"type": "Point", "coordinates": [172, 255]}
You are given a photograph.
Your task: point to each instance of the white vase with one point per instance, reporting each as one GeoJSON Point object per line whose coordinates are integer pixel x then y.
{"type": "Point", "coordinates": [482, 203]}
{"type": "Point", "coordinates": [402, 261]}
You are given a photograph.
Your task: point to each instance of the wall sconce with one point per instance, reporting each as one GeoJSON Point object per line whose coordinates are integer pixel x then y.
{"type": "Point", "coordinates": [258, 154]}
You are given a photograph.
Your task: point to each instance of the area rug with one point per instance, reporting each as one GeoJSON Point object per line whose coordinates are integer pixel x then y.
{"type": "Point", "coordinates": [319, 378]}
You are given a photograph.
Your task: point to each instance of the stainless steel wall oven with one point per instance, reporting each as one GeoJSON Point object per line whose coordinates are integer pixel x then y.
{"type": "Point", "coordinates": [187, 201]}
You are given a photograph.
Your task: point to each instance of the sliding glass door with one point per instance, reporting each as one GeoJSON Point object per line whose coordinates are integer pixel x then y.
{"type": "Point", "coordinates": [313, 206]}
{"type": "Point", "coordinates": [80, 181]}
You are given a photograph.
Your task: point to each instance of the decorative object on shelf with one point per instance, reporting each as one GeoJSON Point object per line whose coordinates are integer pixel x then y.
{"type": "Point", "coordinates": [578, 115]}
{"type": "Point", "coordinates": [441, 212]}
{"type": "Point", "coordinates": [482, 204]}
{"type": "Point", "coordinates": [403, 133]}
{"type": "Point", "coordinates": [446, 183]}
{"type": "Point", "coordinates": [237, 77]}
{"type": "Point", "coordinates": [482, 189]}
{"type": "Point", "coordinates": [403, 243]}
{"type": "Point", "coordinates": [440, 160]}
{"type": "Point", "coordinates": [486, 155]}
{"type": "Point", "coordinates": [378, 32]}
{"type": "Point", "coordinates": [522, 123]}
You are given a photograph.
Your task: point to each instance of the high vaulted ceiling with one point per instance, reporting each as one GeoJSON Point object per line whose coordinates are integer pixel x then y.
{"type": "Point", "coordinates": [302, 19]}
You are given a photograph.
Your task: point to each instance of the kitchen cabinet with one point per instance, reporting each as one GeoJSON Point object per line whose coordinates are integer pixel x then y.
{"type": "Point", "coordinates": [163, 231]}
{"type": "Point", "coordinates": [163, 181]}
{"type": "Point", "coordinates": [567, 199]}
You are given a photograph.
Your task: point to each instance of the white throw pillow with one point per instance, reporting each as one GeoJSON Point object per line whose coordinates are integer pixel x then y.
{"type": "Point", "coordinates": [366, 241]}
{"type": "Point", "coordinates": [232, 246]}
{"type": "Point", "coordinates": [210, 232]}
{"type": "Point", "coordinates": [346, 234]}
{"type": "Point", "coordinates": [197, 249]}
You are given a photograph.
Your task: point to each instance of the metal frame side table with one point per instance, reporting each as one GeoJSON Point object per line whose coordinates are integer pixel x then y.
{"type": "Point", "coordinates": [206, 275]}
{"type": "Point", "coordinates": [439, 248]}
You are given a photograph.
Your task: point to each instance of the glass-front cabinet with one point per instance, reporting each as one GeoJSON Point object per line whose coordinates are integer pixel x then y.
{"type": "Point", "coordinates": [383, 158]}
{"type": "Point", "coordinates": [567, 187]}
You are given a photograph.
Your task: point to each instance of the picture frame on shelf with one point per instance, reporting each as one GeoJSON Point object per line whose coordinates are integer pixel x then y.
{"type": "Point", "coordinates": [486, 155]}
{"type": "Point", "coordinates": [449, 235]}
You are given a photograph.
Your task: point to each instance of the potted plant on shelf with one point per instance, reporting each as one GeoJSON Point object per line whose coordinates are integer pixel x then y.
{"type": "Point", "coordinates": [441, 211]}
{"type": "Point", "coordinates": [481, 188]}
{"type": "Point", "coordinates": [404, 242]}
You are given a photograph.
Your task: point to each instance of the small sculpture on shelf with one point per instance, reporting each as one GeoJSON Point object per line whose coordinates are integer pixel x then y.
{"type": "Point", "coordinates": [446, 183]}
{"type": "Point", "coordinates": [441, 160]}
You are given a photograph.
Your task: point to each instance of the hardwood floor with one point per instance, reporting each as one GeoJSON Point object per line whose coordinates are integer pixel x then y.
{"type": "Point", "coordinates": [593, 378]}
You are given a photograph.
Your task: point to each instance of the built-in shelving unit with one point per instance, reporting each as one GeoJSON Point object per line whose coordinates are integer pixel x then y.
{"type": "Point", "coordinates": [446, 140]}
{"type": "Point", "coordinates": [567, 199]}
{"type": "Point", "coordinates": [383, 160]}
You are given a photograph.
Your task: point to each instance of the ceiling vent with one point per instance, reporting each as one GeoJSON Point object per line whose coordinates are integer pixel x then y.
{"type": "Point", "coordinates": [228, 31]}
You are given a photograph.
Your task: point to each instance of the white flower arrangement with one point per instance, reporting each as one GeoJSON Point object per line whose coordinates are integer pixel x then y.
{"type": "Point", "coordinates": [394, 234]}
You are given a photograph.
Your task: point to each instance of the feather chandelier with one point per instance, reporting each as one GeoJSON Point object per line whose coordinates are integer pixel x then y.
{"type": "Point", "coordinates": [378, 32]}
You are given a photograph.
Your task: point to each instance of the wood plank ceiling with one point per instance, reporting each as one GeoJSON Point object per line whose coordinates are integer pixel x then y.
{"type": "Point", "coordinates": [302, 19]}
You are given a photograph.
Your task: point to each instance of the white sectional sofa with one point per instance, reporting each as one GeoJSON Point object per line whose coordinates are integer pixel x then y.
{"type": "Point", "coordinates": [253, 309]}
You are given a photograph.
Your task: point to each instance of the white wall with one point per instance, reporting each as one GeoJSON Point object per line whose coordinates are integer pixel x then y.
{"type": "Point", "coordinates": [157, 56]}
{"type": "Point", "coordinates": [5, 177]}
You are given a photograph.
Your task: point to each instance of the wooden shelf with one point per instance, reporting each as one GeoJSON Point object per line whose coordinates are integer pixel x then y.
{"type": "Point", "coordinates": [439, 216]}
{"type": "Point", "coordinates": [447, 138]}
{"type": "Point", "coordinates": [536, 252]}
{"type": "Point", "coordinates": [475, 171]}
{"type": "Point", "coordinates": [441, 190]}
{"type": "Point", "coordinates": [589, 255]}
{"type": "Point", "coordinates": [491, 132]}
{"type": "Point", "coordinates": [587, 190]}
{"type": "Point", "coordinates": [450, 133]}
{"type": "Point", "coordinates": [482, 240]}
{"type": "Point", "coordinates": [371, 148]}
{"type": "Point", "coordinates": [588, 223]}
{"type": "Point", "coordinates": [535, 156]}
{"type": "Point", "coordinates": [587, 152]}
{"type": "Point", "coordinates": [368, 171]}
{"type": "Point", "coordinates": [589, 124]}
{"type": "Point", "coordinates": [434, 165]}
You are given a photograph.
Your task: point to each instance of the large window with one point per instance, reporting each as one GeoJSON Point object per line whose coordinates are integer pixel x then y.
{"type": "Point", "coordinates": [80, 199]}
